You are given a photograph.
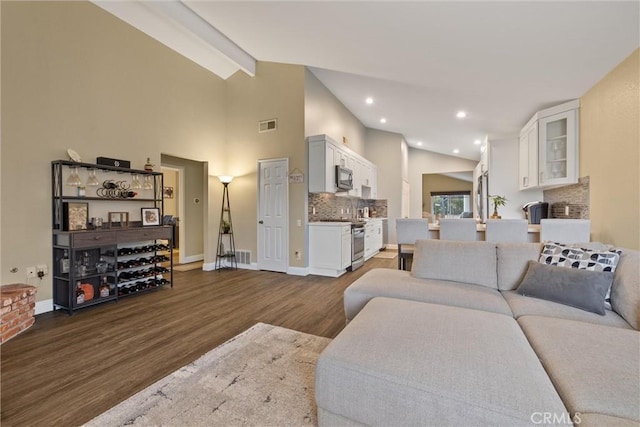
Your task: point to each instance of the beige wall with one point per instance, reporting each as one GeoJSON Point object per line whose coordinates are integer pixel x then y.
{"type": "Point", "coordinates": [195, 207]}
{"type": "Point", "coordinates": [610, 154]}
{"type": "Point", "coordinates": [433, 182]}
{"type": "Point", "coordinates": [421, 162]}
{"type": "Point", "coordinates": [277, 91]}
{"type": "Point", "coordinates": [80, 78]}
{"type": "Point", "coordinates": [325, 114]}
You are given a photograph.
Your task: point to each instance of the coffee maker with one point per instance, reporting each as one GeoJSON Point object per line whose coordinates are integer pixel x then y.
{"type": "Point", "coordinates": [535, 211]}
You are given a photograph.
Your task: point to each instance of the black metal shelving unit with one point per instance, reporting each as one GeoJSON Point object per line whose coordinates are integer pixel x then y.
{"type": "Point", "coordinates": [226, 255]}
{"type": "Point", "coordinates": [153, 244]}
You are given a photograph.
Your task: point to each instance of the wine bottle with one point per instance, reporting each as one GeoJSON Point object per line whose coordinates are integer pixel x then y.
{"type": "Point", "coordinates": [79, 293]}
{"type": "Point", "coordinates": [64, 263]}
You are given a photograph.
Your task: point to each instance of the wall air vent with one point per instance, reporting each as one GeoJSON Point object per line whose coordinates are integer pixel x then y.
{"type": "Point", "coordinates": [243, 257]}
{"type": "Point", "coordinates": [267, 125]}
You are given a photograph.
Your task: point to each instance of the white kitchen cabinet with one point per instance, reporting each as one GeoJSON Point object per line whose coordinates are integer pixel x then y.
{"type": "Point", "coordinates": [484, 156]}
{"type": "Point", "coordinates": [549, 147]}
{"type": "Point", "coordinates": [528, 157]}
{"type": "Point", "coordinates": [373, 237]}
{"type": "Point", "coordinates": [558, 149]}
{"type": "Point", "coordinates": [325, 154]}
{"type": "Point", "coordinates": [329, 248]}
{"type": "Point", "coordinates": [322, 161]}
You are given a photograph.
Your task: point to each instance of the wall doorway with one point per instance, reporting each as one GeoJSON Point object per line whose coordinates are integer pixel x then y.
{"type": "Point", "coordinates": [188, 204]}
{"type": "Point", "coordinates": [273, 215]}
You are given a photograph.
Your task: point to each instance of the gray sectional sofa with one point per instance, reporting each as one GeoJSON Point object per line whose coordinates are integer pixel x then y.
{"type": "Point", "coordinates": [454, 342]}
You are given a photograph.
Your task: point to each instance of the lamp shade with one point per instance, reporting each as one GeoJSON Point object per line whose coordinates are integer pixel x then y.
{"type": "Point", "coordinates": [225, 179]}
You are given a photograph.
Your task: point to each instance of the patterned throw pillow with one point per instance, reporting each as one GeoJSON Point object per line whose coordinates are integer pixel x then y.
{"type": "Point", "coordinates": [584, 259]}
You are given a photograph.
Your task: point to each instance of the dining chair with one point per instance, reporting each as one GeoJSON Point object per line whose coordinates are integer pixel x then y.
{"type": "Point", "coordinates": [565, 230]}
{"type": "Point", "coordinates": [408, 230]}
{"type": "Point", "coordinates": [458, 229]}
{"type": "Point", "coordinates": [506, 230]}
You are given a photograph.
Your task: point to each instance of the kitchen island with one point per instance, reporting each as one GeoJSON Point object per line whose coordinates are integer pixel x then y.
{"type": "Point", "coordinates": [533, 232]}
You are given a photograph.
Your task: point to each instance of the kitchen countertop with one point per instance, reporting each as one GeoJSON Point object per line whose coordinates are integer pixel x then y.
{"type": "Point", "coordinates": [532, 228]}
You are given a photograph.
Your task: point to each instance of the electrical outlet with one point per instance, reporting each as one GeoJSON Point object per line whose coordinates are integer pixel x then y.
{"type": "Point", "coordinates": [298, 255]}
{"type": "Point", "coordinates": [31, 272]}
{"type": "Point", "coordinates": [42, 270]}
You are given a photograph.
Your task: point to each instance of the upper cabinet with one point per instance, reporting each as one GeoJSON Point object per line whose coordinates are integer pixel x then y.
{"type": "Point", "coordinates": [549, 147]}
{"type": "Point", "coordinates": [325, 154]}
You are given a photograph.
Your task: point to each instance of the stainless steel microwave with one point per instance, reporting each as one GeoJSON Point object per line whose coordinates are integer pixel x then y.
{"type": "Point", "coordinates": [344, 178]}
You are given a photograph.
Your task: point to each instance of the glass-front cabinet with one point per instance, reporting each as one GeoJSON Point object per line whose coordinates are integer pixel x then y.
{"type": "Point", "coordinates": [549, 147]}
{"type": "Point", "coordinates": [558, 149]}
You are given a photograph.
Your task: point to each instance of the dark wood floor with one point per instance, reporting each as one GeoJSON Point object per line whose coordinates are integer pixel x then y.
{"type": "Point", "coordinates": [66, 370]}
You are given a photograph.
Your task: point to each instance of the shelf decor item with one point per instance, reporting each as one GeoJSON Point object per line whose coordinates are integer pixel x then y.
{"type": "Point", "coordinates": [497, 201]}
{"type": "Point", "coordinates": [118, 219]}
{"type": "Point", "coordinates": [75, 216]}
{"type": "Point", "coordinates": [150, 216]}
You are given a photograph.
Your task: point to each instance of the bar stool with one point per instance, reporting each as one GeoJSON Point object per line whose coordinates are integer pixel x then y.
{"type": "Point", "coordinates": [408, 230]}
{"type": "Point", "coordinates": [507, 230]}
{"type": "Point", "coordinates": [458, 229]}
{"type": "Point", "coordinates": [565, 230]}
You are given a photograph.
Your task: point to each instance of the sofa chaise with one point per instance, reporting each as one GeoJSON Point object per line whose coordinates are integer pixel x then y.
{"type": "Point", "coordinates": [459, 340]}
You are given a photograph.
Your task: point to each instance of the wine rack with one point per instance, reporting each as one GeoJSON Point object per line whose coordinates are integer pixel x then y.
{"type": "Point", "coordinates": [101, 264]}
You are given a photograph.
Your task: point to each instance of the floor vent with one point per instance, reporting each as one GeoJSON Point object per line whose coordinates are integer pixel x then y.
{"type": "Point", "coordinates": [267, 125]}
{"type": "Point", "coordinates": [243, 257]}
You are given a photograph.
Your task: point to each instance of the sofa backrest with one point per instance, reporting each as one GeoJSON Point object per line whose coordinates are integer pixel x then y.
{"type": "Point", "coordinates": [467, 262]}
{"type": "Point", "coordinates": [625, 291]}
{"type": "Point", "coordinates": [513, 259]}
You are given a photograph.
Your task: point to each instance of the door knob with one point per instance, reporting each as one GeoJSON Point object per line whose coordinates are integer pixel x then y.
{"type": "Point", "coordinates": [261, 222]}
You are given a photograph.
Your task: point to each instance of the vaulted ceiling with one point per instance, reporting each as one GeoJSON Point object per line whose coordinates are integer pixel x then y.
{"type": "Point", "coordinates": [420, 62]}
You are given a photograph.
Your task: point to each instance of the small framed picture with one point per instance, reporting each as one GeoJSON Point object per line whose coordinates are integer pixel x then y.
{"type": "Point", "coordinates": [150, 216]}
{"type": "Point", "coordinates": [75, 216]}
{"type": "Point", "coordinates": [167, 192]}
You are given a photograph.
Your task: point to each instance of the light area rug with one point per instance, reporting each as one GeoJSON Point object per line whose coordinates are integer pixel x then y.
{"type": "Point", "coordinates": [386, 255]}
{"type": "Point", "coordinates": [262, 377]}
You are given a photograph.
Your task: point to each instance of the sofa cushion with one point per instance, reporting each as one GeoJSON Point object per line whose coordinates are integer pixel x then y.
{"type": "Point", "coordinates": [467, 262]}
{"type": "Point", "coordinates": [625, 291]}
{"type": "Point", "coordinates": [409, 363]}
{"type": "Point", "coordinates": [580, 258]}
{"type": "Point", "coordinates": [526, 306]}
{"type": "Point", "coordinates": [513, 261]}
{"type": "Point", "coordinates": [595, 368]}
{"type": "Point", "coordinates": [385, 282]}
{"type": "Point", "coordinates": [577, 288]}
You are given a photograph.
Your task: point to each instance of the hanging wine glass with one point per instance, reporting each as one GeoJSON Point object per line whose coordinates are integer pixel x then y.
{"type": "Point", "coordinates": [92, 181]}
{"type": "Point", "coordinates": [74, 179]}
{"type": "Point", "coordinates": [135, 182]}
{"type": "Point", "coordinates": [147, 183]}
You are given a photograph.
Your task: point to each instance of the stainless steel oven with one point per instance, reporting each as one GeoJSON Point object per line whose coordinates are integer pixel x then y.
{"type": "Point", "coordinates": [357, 245]}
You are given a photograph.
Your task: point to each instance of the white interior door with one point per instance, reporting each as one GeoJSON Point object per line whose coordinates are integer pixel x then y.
{"type": "Point", "coordinates": [273, 214]}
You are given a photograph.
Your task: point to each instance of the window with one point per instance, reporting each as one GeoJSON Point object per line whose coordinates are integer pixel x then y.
{"type": "Point", "coordinates": [450, 204]}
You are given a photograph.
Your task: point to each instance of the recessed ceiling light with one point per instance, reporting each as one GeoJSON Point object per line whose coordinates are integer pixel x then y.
{"type": "Point", "coordinates": [461, 114]}
{"type": "Point", "coordinates": [477, 142]}
{"type": "Point", "coordinates": [419, 143]}
{"type": "Point", "coordinates": [456, 151]}
{"type": "Point", "coordinates": [369, 100]}
{"type": "Point", "coordinates": [383, 120]}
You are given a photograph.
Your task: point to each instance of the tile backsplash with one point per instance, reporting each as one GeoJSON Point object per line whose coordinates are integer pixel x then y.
{"type": "Point", "coordinates": [330, 206]}
{"type": "Point", "coordinates": [575, 196]}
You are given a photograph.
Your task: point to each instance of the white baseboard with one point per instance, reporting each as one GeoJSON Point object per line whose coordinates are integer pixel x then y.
{"type": "Point", "coordinates": [298, 271]}
{"type": "Point", "coordinates": [211, 266]}
{"type": "Point", "coordinates": [44, 306]}
{"type": "Point", "coordinates": [192, 258]}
